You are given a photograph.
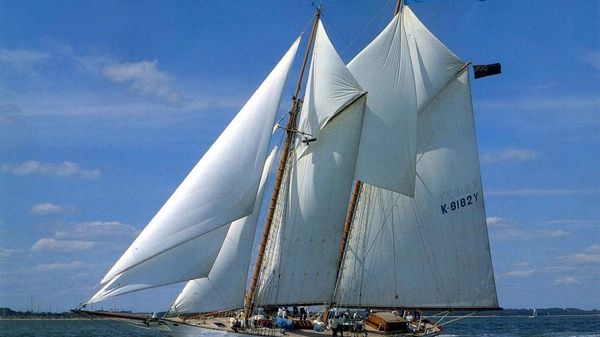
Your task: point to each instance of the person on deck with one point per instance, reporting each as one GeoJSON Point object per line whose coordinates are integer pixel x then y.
{"type": "Point", "coordinates": [341, 321]}
{"type": "Point", "coordinates": [302, 314]}
{"type": "Point", "coordinates": [333, 324]}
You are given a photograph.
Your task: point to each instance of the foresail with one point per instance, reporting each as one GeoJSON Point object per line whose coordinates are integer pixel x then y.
{"type": "Point", "coordinates": [224, 287]}
{"type": "Point", "coordinates": [220, 189]}
{"type": "Point", "coordinates": [302, 253]}
{"type": "Point", "coordinates": [430, 251]}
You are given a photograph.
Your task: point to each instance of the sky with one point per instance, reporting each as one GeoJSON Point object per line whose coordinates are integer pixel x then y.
{"type": "Point", "coordinates": [105, 106]}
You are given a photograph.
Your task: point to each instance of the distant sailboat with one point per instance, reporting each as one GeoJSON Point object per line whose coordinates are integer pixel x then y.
{"type": "Point", "coordinates": [533, 313]}
{"type": "Point", "coordinates": [377, 201]}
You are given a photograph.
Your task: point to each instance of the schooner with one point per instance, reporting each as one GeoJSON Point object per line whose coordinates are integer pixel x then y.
{"type": "Point", "coordinates": [376, 206]}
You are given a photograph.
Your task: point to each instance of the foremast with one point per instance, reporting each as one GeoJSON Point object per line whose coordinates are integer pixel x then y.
{"type": "Point", "coordinates": [291, 131]}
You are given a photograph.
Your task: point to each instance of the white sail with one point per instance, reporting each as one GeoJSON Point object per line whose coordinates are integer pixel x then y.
{"type": "Point", "coordinates": [301, 268]}
{"type": "Point", "coordinates": [430, 251]}
{"type": "Point", "coordinates": [388, 141]}
{"type": "Point", "coordinates": [330, 86]}
{"type": "Point", "coordinates": [433, 64]}
{"type": "Point", "coordinates": [220, 189]}
{"type": "Point", "coordinates": [223, 288]}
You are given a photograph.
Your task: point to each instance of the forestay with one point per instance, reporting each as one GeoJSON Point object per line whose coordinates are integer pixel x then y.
{"type": "Point", "coordinates": [224, 287]}
{"type": "Point", "coordinates": [430, 251]}
{"type": "Point", "coordinates": [220, 189]}
{"type": "Point", "coordinates": [303, 250]}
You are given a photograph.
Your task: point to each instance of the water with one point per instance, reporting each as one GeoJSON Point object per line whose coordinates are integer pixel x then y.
{"type": "Point", "coordinates": [541, 326]}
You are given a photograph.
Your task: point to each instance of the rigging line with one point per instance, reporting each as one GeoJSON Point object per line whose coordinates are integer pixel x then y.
{"type": "Point", "coordinates": [349, 44]}
{"type": "Point", "coordinates": [419, 220]}
{"type": "Point", "coordinates": [384, 221]}
{"type": "Point", "coordinates": [373, 18]}
{"type": "Point", "coordinates": [394, 255]}
{"type": "Point", "coordinates": [334, 29]}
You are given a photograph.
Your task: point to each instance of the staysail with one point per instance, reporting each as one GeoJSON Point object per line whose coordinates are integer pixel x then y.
{"type": "Point", "coordinates": [223, 288]}
{"type": "Point", "coordinates": [193, 222]}
{"type": "Point", "coordinates": [301, 264]}
{"type": "Point", "coordinates": [430, 251]}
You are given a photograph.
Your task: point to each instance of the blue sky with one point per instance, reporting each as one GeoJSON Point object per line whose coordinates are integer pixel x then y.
{"type": "Point", "coordinates": [106, 105]}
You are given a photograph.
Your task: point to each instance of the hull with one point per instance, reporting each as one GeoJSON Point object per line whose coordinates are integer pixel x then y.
{"type": "Point", "coordinates": [178, 329]}
{"type": "Point", "coordinates": [219, 327]}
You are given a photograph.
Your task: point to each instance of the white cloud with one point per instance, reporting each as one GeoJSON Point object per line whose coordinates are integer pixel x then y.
{"type": "Point", "coordinates": [519, 273]}
{"type": "Point", "coordinates": [47, 209]}
{"type": "Point", "coordinates": [21, 58]}
{"type": "Point", "coordinates": [565, 280]}
{"type": "Point", "coordinates": [502, 229]}
{"type": "Point", "coordinates": [580, 258]}
{"type": "Point", "coordinates": [497, 222]}
{"type": "Point", "coordinates": [551, 191]}
{"type": "Point", "coordinates": [62, 246]}
{"type": "Point", "coordinates": [97, 231]}
{"type": "Point", "coordinates": [594, 249]}
{"type": "Point", "coordinates": [145, 77]}
{"type": "Point", "coordinates": [509, 155]}
{"type": "Point", "coordinates": [60, 266]}
{"type": "Point", "coordinates": [64, 169]}
{"type": "Point", "coordinates": [85, 236]}
{"type": "Point", "coordinates": [574, 222]}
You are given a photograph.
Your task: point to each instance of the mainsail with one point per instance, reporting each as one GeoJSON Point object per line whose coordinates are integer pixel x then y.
{"type": "Point", "coordinates": [223, 288]}
{"type": "Point", "coordinates": [183, 239]}
{"type": "Point", "coordinates": [302, 267]}
{"type": "Point", "coordinates": [432, 250]}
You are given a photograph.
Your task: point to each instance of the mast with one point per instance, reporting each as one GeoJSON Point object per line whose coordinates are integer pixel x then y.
{"type": "Point", "coordinates": [351, 209]}
{"type": "Point", "coordinates": [398, 7]}
{"type": "Point", "coordinates": [291, 130]}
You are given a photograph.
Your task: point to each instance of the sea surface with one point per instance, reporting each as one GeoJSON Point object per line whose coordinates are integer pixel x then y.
{"type": "Point", "coordinates": [546, 326]}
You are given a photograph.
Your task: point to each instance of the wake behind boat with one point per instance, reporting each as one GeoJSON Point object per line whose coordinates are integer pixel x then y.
{"type": "Point", "coordinates": [376, 212]}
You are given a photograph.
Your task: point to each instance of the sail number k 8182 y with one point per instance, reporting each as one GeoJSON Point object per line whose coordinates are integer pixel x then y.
{"type": "Point", "coordinates": [460, 203]}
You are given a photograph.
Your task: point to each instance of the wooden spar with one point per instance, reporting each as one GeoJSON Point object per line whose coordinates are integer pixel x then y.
{"type": "Point", "coordinates": [398, 7]}
{"type": "Point", "coordinates": [290, 128]}
{"type": "Point", "coordinates": [347, 224]}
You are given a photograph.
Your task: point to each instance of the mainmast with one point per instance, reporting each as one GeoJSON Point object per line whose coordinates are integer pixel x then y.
{"type": "Point", "coordinates": [351, 209]}
{"type": "Point", "coordinates": [291, 130]}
